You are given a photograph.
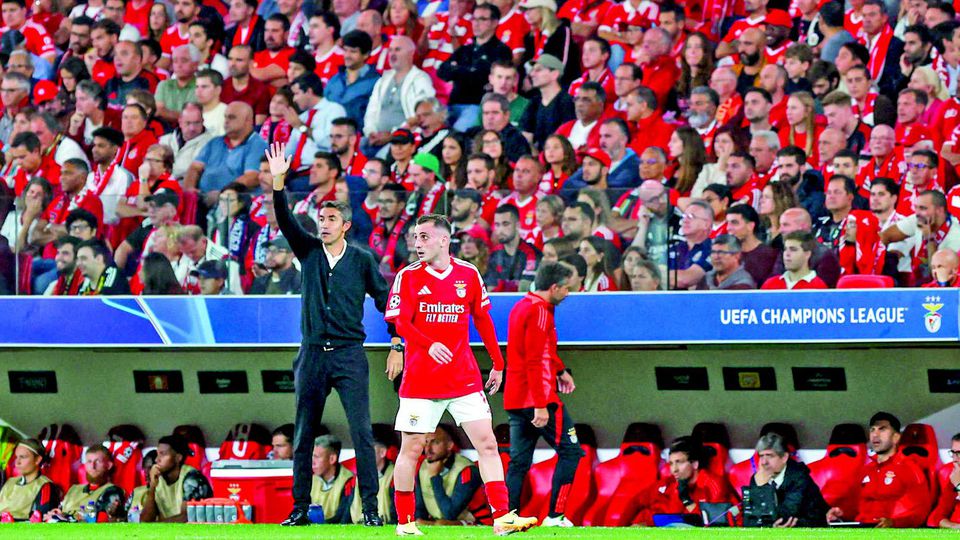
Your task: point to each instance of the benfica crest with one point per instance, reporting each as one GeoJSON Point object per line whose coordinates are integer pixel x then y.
{"type": "Point", "coordinates": [461, 287]}
{"type": "Point", "coordinates": [932, 318]}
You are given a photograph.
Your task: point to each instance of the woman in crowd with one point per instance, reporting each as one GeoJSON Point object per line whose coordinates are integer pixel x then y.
{"type": "Point", "coordinates": [645, 277]}
{"type": "Point", "coordinates": [473, 250]}
{"type": "Point", "coordinates": [776, 198]}
{"type": "Point", "coordinates": [559, 248]}
{"type": "Point", "coordinates": [599, 276]}
{"type": "Point", "coordinates": [158, 277]}
{"type": "Point", "coordinates": [550, 35]}
{"type": "Point", "coordinates": [489, 142]}
{"type": "Point", "coordinates": [926, 80]}
{"type": "Point", "coordinates": [158, 22]}
{"type": "Point", "coordinates": [632, 257]}
{"type": "Point", "coordinates": [232, 227]}
{"type": "Point", "coordinates": [801, 128]}
{"type": "Point", "coordinates": [692, 172]}
{"type": "Point", "coordinates": [560, 162]}
{"type": "Point", "coordinates": [72, 72]}
{"type": "Point", "coordinates": [453, 165]}
{"type": "Point", "coordinates": [549, 213]}
{"type": "Point", "coordinates": [696, 65]}
{"type": "Point", "coordinates": [400, 19]}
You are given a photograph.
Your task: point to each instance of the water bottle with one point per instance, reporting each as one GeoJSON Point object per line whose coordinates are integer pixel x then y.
{"type": "Point", "coordinates": [91, 512]}
{"type": "Point", "coordinates": [133, 516]}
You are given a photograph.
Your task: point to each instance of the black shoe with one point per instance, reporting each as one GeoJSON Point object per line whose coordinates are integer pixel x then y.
{"type": "Point", "coordinates": [297, 518]}
{"type": "Point", "coordinates": [372, 519]}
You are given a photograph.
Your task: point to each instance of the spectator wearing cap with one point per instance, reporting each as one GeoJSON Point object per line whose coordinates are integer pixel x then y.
{"type": "Point", "coordinates": [311, 129]}
{"type": "Point", "coordinates": [180, 89]}
{"type": "Point", "coordinates": [468, 69]}
{"type": "Point", "coordinates": [238, 85]}
{"type": "Point", "coordinates": [777, 28]}
{"type": "Point", "coordinates": [234, 157]}
{"type": "Point", "coordinates": [465, 217]}
{"type": "Point", "coordinates": [107, 498]}
{"type": "Point", "coordinates": [283, 278]}
{"type": "Point", "coordinates": [894, 490]}
{"type": "Point", "coordinates": [624, 168]}
{"type": "Point", "coordinates": [589, 104]}
{"type": "Point", "coordinates": [161, 210]}
{"type": "Point", "coordinates": [108, 179]}
{"type": "Point", "coordinates": [36, 40]}
{"type": "Point", "coordinates": [594, 168]}
{"type": "Point", "coordinates": [549, 35]}
{"type": "Point", "coordinates": [647, 126]}
{"type": "Point", "coordinates": [403, 145]}
{"type": "Point", "coordinates": [353, 83]}
{"type": "Point", "coordinates": [171, 483]}
{"type": "Point", "coordinates": [728, 272]}
{"type": "Point", "coordinates": [212, 276]}
{"type": "Point", "coordinates": [45, 96]}
{"type": "Point", "coordinates": [101, 276]}
{"type": "Point", "coordinates": [395, 96]}
{"type": "Point", "coordinates": [429, 195]}
{"type": "Point", "coordinates": [513, 263]}
{"type": "Point", "coordinates": [550, 107]}
{"type": "Point", "coordinates": [28, 491]}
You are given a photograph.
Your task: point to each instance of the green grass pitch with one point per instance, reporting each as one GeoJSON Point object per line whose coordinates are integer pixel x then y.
{"type": "Point", "coordinates": [201, 532]}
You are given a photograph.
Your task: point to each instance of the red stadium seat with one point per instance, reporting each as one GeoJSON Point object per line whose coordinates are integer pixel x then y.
{"type": "Point", "coordinates": [919, 443]}
{"type": "Point", "coordinates": [246, 441]}
{"type": "Point", "coordinates": [621, 480]}
{"type": "Point", "coordinates": [838, 473]}
{"type": "Point", "coordinates": [740, 473]}
{"type": "Point", "coordinates": [188, 207]}
{"type": "Point", "coordinates": [64, 450]}
{"type": "Point", "coordinates": [125, 443]}
{"type": "Point", "coordinates": [582, 491]}
{"type": "Point", "coordinates": [715, 441]}
{"type": "Point", "coordinates": [864, 281]}
{"type": "Point", "coordinates": [25, 274]}
{"type": "Point", "coordinates": [198, 444]}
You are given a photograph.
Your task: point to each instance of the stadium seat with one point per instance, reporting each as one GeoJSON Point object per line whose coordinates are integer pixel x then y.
{"type": "Point", "coordinates": [582, 491]}
{"type": "Point", "coordinates": [25, 272]}
{"type": "Point", "coordinates": [740, 473]}
{"type": "Point", "coordinates": [838, 473]}
{"type": "Point", "coordinates": [64, 451]}
{"type": "Point", "coordinates": [864, 281]}
{"type": "Point", "coordinates": [919, 443]}
{"type": "Point", "coordinates": [246, 441]}
{"type": "Point", "coordinates": [621, 480]}
{"type": "Point", "coordinates": [198, 443]}
{"type": "Point", "coordinates": [715, 441]}
{"type": "Point", "coordinates": [125, 443]}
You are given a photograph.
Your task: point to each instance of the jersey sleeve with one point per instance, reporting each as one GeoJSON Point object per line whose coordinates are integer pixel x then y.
{"type": "Point", "coordinates": [481, 300]}
{"type": "Point", "coordinates": [399, 297]}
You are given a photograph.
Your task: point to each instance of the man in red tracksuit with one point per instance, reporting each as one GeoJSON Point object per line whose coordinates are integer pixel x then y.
{"type": "Point", "coordinates": [687, 485]}
{"type": "Point", "coordinates": [534, 372]}
{"type": "Point", "coordinates": [894, 491]}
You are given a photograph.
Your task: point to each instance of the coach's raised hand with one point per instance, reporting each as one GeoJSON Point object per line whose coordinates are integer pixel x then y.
{"type": "Point", "coordinates": [440, 353]}
{"type": "Point", "coordinates": [279, 164]}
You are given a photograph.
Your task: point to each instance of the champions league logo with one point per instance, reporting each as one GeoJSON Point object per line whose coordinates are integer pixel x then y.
{"type": "Point", "coordinates": [932, 318]}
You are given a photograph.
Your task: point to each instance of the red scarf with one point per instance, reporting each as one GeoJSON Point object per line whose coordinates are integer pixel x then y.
{"type": "Point", "coordinates": [238, 38]}
{"type": "Point", "coordinates": [71, 288]}
{"type": "Point", "coordinates": [102, 179]}
{"type": "Point", "coordinates": [301, 142]}
{"type": "Point", "coordinates": [385, 245]}
{"type": "Point", "coordinates": [878, 53]}
{"type": "Point", "coordinates": [867, 254]}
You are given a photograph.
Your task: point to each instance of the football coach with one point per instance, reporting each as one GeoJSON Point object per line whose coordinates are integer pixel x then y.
{"type": "Point", "coordinates": [336, 278]}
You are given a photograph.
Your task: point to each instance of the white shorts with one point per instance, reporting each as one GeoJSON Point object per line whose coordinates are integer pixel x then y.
{"type": "Point", "coordinates": [418, 415]}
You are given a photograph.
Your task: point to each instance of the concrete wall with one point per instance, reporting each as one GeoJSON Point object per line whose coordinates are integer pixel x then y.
{"type": "Point", "coordinates": [615, 387]}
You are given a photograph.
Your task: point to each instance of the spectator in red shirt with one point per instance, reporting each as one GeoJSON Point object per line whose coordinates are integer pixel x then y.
{"type": "Point", "coordinates": [137, 138]}
{"type": "Point", "coordinates": [943, 269]}
{"type": "Point", "coordinates": [647, 123]}
{"type": "Point", "coordinates": [36, 39]}
{"type": "Point", "coordinates": [946, 515]}
{"type": "Point", "coordinates": [894, 491]}
{"type": "Point", "coordinates": [270, 65]}
{"type": "Point", "coordinates": [536, 373]}
{"type": "Point", "coordinates": [688, 484]}
{"type": "Point", "coordinates": [104, 36]}
{"type": "Point", "coordinates": [660, 71]}
{"type": "Point", "coordinates": [797, 249]}
{"type": "Point", "coordinates": [240, 86]}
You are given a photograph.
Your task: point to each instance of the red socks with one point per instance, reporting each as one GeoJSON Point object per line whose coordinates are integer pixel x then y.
{"type": "Point", "coordinates": [406, 504]}
{"type": "Point", "coordinates": [497, 497]}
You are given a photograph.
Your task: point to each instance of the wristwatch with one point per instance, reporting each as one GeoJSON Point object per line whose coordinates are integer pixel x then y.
{"type": "Point", "coordinates": [303, 128]}
{"type": "Point", "coordinates": [397, 347]}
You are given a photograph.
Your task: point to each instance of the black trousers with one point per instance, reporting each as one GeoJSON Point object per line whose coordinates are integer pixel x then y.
{"type": "Point", "coordinates": [560, 435]}
{"type": "Point", "coordinates": [316, 371]}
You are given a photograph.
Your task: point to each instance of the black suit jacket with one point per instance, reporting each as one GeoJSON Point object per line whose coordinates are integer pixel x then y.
{"type": "Point", "coordinates": [800, 497]}
{"type": "Point", "coordinates": [256, 40]}
{"type": "Point", "coordinates": [892, 80]}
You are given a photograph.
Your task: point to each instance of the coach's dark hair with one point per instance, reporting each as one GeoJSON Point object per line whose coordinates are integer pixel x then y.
{"type": "Point", "coordinates": [550, 274]}
{"type": "Point", "coordinates": [437, 220]}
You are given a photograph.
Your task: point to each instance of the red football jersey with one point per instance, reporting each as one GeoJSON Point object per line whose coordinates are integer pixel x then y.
{"type": "Point", "coordinates": [439, 305]}
{"type": "Point", "coordinates": [527, 208]}
{"type": "Point", "coordinates": [512, 29]}
{"type": "Point", "coordinates": [173, 38]}
{"type": "Point", "coordinates": [36, 39]}
{"type": "Point", "coordinates": [328, 64]}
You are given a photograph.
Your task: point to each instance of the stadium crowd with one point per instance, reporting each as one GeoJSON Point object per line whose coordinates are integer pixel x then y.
{"type": "Point", "coordinates": [899, 483]}
{"type": "Point", "coordinates": [721, 144]}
